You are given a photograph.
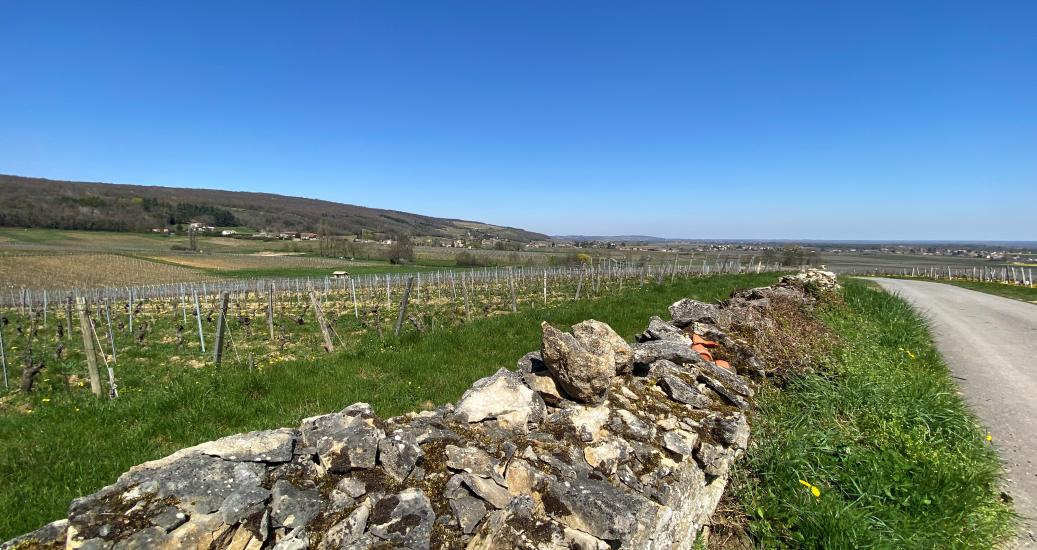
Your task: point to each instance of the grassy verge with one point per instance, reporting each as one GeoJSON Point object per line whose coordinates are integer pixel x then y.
{"type": "Point", "coordinates": [1026, 294]}
{"type": "Point", "coordinates": [898, 460]}
{"type": "Point", "coordinates": [1015, 292]}
{"type": "Point", "coordinates": [72, 444]}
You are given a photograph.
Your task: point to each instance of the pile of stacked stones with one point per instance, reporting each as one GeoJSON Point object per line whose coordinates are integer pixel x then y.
{"type": "Point", "coordinates": [591, 443]}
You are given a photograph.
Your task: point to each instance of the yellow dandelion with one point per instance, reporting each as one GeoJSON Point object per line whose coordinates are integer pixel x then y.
{"type": "Point", "coordinates": [989, 438]}
{"type": "Point", "coordinates": [45, 400]}
{"type": "Point", "coordinates": [813, 488]}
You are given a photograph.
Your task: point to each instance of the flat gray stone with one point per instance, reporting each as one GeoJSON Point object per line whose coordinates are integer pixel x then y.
{"type": "Point", "coordinates": [469, 511]}
{"type": "Point", "coordinates": [682, 392]}
{"type": "Point", "coordinates": [399, 453]}
{"type": "Point", "coordinates": [686, 312]}
{"type": "Point", "coordinates": [272, 446]}
{"type": "Point", "coordinates": [345, 440]}
{"type": "Point", "coordinates": [486, 489]}
{"type": "Point", "coordinates": [646, 353]}
{"type": "Point", "coordinates": [594, 507]}
{"type": "Point", "coordinates": [503, 397]}
{"type": "Point", "coordinates": [349, 530]}
{"type": "Point", "coordinates": [680, 442]}
{"type": "Point", "coordinates": [291, 506]}
{"type": "Point", "coordinates": [731, 430]}
{"type": "Point", "coordinates": [242, 504]}
{"type": "Point", "coordinates": [405, 520]}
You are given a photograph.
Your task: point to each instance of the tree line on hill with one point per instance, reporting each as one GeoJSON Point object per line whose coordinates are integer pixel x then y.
{"type": "Point", "coordinates": [37, 202]}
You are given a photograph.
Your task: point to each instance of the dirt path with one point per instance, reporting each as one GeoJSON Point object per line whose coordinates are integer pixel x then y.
{"type": "Point", "coordinates": [990, 345]}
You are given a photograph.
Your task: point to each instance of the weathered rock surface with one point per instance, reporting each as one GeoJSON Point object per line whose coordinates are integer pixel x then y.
{"type": "Point", "coordinates": [682, 392]}
{"type": "Point", "coordinates": [582, 374]}
{"type": "Point", "coordinates": [599, 339]}
{"type": "Point", "coordinates": [661, 330]}
{"type": "Point", "coordinates": [503, 397]}
{"type": "Point", "coordinates": [405, 520]}
{"type": "Point", "coordinates": [591, 444]}
{"type": "Point", "coordinates": [345, 440]}
{"type": "Point", "coordinates": [646, 353]}
{"type": "Point", "coordinates": [687, 311]}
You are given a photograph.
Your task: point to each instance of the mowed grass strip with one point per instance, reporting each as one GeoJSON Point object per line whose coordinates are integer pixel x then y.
{"type": "Point", "coordinates": [881, 432]}
{"type": "Point", "coordinates": [1015, 292]}
{"type": "Point", "coordinates": [73, 444]}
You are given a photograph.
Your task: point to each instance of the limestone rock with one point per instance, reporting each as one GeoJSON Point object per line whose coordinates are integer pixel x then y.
{"type": "Point", "coordinates": [629, 425]}
{"type": "Point", "coordinates": [242, 504]}
{"type": "Point", "coordinates": [730, 379]}
{"type": "Point", "coordinates": [353, 487]}
{"type": "Point", "coordinates": [682, 392]}
{"type": "Point", "coordinates": [599, 338]}
{"type": "Point", "coordinates": [536, 375]}
{"type": "Point", "coordinates": [715, 460]}
{"type": "Point", "coordinates": [346, 440]}
{"type": "Point", "coordinates": [686, 312]}
{"type": "Point", "coordinates": [264, 446]}
{"type": "Point", "coordinates": [171, 517]}
{"type": "Point", "coordinates": [349, 530]}
{"type": "Point", "coordinates": [291, 506]}
{"type": "Point", "coordinates": [680, 442]}
{"type": "Point", "coordinates": [661, 330]}
{"type": "Point", "coordinates": [405, 520]}
{"type": "Point", "coordinates": [594, 507]}
{"type": "Point", "coordinates": [605, 456]}
{"type": "Point", "coordinates": [345, 493]}
{"type": "Point", "coordinates": [578, 540]}
{"type": "Point", "coordinates": [504, 397]}
{"type": "Point", "coordinates": [469, 511]}
{"type": "Point", "coordinates": [54, 534]}
{"type": "Point", "coordinates": [731, 430]}
{"type": "Point", "coordinates": [585, 422]}
{"type": "Point", "coordinates": [518, 527]}
{"type": "Point", "coordinates": [582, 374]}
{"type": "Point", "coordinates": [522, 477]}
{"type": "Point", "coordinates": [472, 460]}
{"type": "Point", "coordinates": [198, 482]}
{"type": "Point", "coordinates": [723, 391]}
{"type": "Point", "coordinates": [399, 454]}
{"type": "Point", "coordinates": [486, 489]}
{"type": "Point", "coordinates": [646, 353]}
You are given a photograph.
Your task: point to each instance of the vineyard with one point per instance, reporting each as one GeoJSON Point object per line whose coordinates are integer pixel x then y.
{"type": "Point", "coordinates": [68, 270]}
{"type": "Point", "coordinates": [102, 336]}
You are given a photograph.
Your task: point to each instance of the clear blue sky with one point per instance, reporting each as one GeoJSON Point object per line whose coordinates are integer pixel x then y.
{"type": "Point", "coordinates": [869, 120]}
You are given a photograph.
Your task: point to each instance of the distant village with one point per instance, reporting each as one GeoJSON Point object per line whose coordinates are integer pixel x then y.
{"type": "Point", "coordinates": [475, 241]}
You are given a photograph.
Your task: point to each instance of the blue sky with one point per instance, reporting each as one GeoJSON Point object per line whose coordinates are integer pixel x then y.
{"type": "Point", "coordinates": [866, 120]}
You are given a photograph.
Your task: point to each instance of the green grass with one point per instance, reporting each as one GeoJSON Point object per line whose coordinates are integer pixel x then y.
{"type": "Point", "coordinates": [899, 460]}
{"type": "Point", "coordinates": [1026, 294]}
{"type": "Point", "coordinates": [74, 444]}
{"type": "Point", "coordinates": [1015, 292]}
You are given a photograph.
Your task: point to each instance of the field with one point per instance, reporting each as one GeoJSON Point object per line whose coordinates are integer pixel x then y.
{"type": "Point", "coordinates": [88, 270]}
{"type": "Point", "coordinates": [62, 442]}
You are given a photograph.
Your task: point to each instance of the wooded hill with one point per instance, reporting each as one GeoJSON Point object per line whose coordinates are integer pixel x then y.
{"type": "Point", "coordinates": [38, 202]}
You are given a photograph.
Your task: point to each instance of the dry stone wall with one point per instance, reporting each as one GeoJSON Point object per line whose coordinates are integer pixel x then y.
{"type": "Point", "coordinates": [590, 443]}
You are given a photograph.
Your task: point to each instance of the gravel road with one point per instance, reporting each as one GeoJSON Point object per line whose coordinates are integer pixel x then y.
{"type": "Point", "coordinates": [990, 345]}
